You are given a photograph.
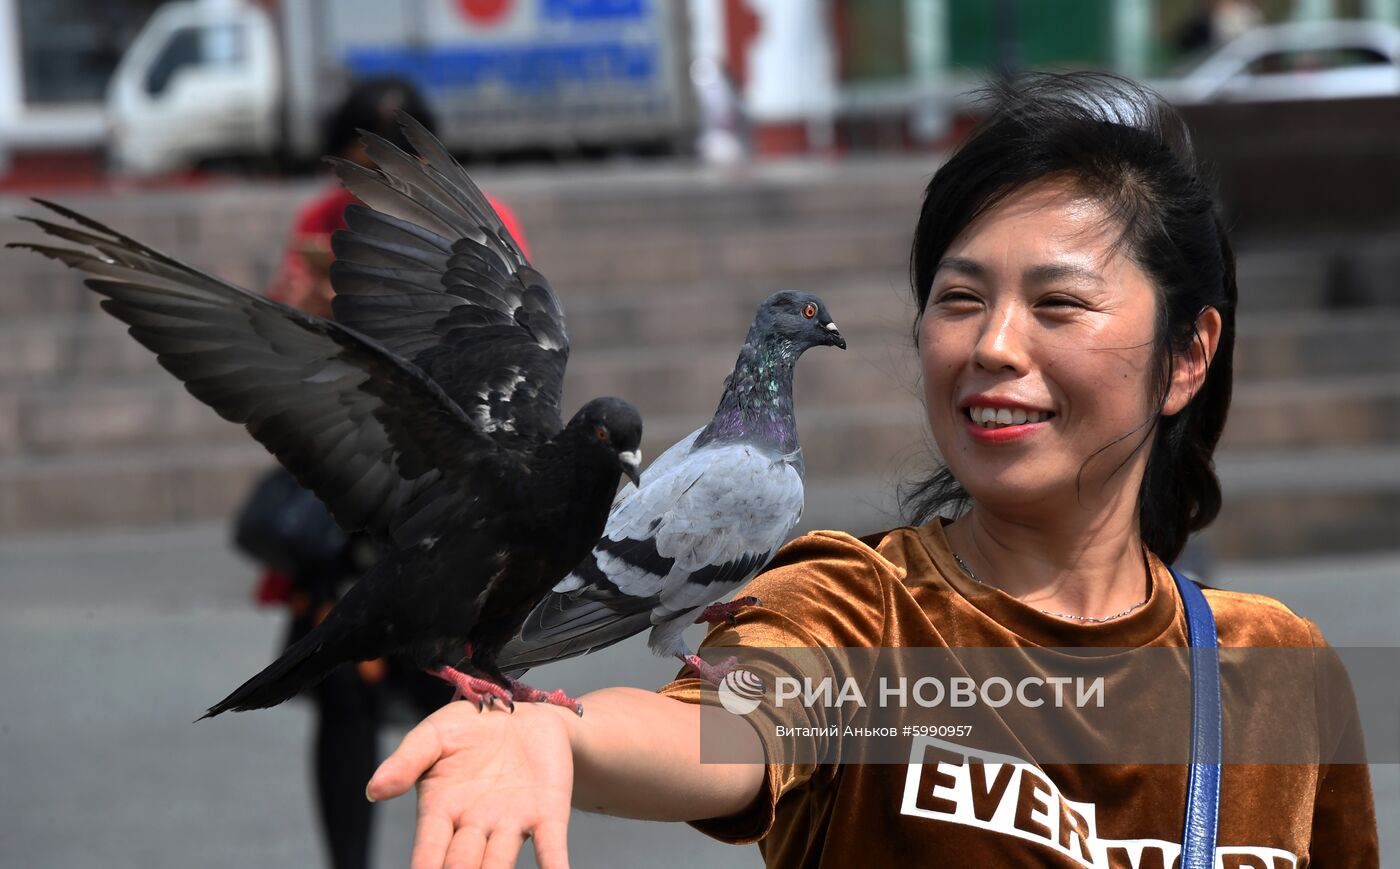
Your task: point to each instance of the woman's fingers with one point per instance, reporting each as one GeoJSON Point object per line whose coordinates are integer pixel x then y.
{"type": "Point", "coordinates": [416, 754]}
{"type": "Point", "coordinates": [480, 789]}
{"type": "Point", "coordinates": [551, 845]}
{"type": "Point", "coordinates": [431, 841]}
{"type": "Point", "coordinates": [502, 849]}
{"type": "Point", "coordinates": [467, 848]}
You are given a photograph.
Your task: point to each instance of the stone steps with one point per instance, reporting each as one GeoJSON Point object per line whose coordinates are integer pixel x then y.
{"type": "Point", "coordinates": [584, 267]}
{"type": "Point", "coordinates": [1310, 343]}
{"type": "Point", "coordinates": [145, 486]}
{"type": "Point", "coordinates": [549, 200]}
{"type": "Point", "coordinates": [95, 346]}
{"type": "Point", "coordinates": [1284, 519]}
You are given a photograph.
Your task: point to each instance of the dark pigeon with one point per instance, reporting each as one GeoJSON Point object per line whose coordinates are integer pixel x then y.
{"type": "Point", "coordinates": [708, 515]}
{"type": "Point", "coordinates": [446, 447]}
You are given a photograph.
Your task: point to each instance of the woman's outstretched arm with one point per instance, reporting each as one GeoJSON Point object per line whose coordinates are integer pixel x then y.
{"type": "Point", "coordinates": [488, 779]}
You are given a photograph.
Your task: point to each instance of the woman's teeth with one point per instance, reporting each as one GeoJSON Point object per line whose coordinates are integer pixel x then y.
{"type": "Point", "coordinates": [992, 417]}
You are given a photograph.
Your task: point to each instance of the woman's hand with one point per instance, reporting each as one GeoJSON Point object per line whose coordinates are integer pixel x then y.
{"type": "Point", "coordinates": [489, 780]}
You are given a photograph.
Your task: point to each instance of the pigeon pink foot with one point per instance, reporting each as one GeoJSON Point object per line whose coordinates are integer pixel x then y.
{"type": "Point", "coordinates": [522, 693]}
{"type": "Point", "coordinates": [482, 692]}
{"type": "Point", "coordinates": [712, 673]}
{"type": "Point", "coordinates": [724, 612]}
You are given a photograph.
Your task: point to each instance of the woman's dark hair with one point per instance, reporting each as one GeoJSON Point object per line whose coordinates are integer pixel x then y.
{"type": "Point", "coordinates": [1122, 145]}
{"type": "Point", "coordinates": [374, 105]}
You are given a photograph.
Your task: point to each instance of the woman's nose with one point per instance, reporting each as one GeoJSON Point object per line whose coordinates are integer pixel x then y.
{"type": "Point", "coordinates": [1002, 342]}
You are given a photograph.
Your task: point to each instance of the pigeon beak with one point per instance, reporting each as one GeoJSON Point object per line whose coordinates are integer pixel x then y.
{"type": "Point", "coordinates": [835, 339]}
{"type": "Point", "coordinates": [631, 464]}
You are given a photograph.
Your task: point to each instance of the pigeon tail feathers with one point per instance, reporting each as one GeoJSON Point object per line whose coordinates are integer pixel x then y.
{"type": "Point", "coordinates": [304, 664]}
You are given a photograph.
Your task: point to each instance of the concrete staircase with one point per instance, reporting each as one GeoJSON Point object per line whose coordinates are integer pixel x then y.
{"type": "Point", "coordinates": [660, 270]}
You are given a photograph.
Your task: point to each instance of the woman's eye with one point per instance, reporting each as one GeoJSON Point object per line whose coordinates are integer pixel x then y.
{"type": "Point", "coordinates": [1062, 302]}
{"type": "Point", "coordinates": [956, 296]}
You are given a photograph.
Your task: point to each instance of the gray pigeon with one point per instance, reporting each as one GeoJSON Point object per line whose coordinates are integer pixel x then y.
{"type": "Point", "coordinates": [709, 514]}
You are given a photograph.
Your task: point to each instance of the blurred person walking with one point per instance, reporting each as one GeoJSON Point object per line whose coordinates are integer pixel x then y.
{"type": "Point", "coordinates": [309, 561]}
{"type": "Point", "coordinates": [303, 279]}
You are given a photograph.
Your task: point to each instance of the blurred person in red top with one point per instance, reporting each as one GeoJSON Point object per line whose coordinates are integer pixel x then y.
{"type": "Point", "coordinates": [303, 279]}
{"type": "Point", "coordinates": [309, 561]}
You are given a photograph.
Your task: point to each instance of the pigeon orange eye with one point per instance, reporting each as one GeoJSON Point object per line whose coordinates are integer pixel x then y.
{"type": "Point", "coordinates": [810, 311]}
{"type": "Point", "coordinates": [602, 434]}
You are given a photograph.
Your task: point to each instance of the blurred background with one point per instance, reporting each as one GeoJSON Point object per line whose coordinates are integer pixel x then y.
{"type": "Point", "coordinates": [671, 164]}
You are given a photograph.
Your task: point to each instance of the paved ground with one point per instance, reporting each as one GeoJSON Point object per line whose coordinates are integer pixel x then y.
{"type": "Point", "coordinates": [111, 645]}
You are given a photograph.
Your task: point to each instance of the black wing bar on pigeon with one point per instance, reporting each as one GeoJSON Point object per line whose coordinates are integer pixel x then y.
{"type": "Point", "coordinates": [432, 273]}
{"type": "Point", "coordinates": [369, 432]}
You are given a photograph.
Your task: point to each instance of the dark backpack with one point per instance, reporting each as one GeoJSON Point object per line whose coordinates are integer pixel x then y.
{"type": "Point", "coordinates": [287, 528]}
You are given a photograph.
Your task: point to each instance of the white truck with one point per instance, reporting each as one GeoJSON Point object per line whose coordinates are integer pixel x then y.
{"type": "Point", "coordinates": [208, 81]}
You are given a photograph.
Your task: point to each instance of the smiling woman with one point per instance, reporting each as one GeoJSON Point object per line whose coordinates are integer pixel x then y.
{"type": "Point", "coordinates": [1076, 296]}
{"type": "Point", "coordinates": [1045, 381]}
{"type": "Point", "coordinates": [1129, 264]}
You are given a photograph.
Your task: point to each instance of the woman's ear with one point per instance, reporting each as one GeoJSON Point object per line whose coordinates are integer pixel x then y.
{"type": "Point", "coordinates": [1189, 369]}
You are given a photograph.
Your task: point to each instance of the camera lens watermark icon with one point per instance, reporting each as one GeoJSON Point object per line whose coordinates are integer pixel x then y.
{"type": "Point", "coordinates": [741, 691]}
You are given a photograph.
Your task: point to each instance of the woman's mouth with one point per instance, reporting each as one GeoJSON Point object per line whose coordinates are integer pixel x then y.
{"type": "Point", "coordinates": [1001, 424]}
{"type": "Point", "coordinates": [995, 418]}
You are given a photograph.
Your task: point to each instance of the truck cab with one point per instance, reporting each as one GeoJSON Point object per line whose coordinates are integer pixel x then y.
{"type": "Point", "coordinates": [200, 82]}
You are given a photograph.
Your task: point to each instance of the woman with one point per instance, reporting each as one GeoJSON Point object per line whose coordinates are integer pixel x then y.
{"type": "Point", "coordinates": [1077, 305]}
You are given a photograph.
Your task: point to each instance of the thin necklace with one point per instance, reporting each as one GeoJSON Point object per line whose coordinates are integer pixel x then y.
{"type": "Point", "coordinates": [973, 576]}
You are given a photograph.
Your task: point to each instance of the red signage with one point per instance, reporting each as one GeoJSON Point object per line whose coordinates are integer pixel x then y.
{"type": "Point", "coordinates": [483, 11]}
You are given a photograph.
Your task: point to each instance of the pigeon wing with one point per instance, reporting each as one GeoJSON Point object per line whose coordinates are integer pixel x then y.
{"type": "Point", "coordinates": [430, 271]}
{"type": "Point", "coordinates": [698, 529]}
{"type": "Point", "coordinates": [367, 431]}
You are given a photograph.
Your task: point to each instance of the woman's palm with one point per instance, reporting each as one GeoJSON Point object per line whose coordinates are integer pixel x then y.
{"type": "Point", "coordinates": [494, 778]}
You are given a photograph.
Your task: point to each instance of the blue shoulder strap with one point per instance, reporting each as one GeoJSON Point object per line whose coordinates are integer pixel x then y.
{"type": "Point", "coordinates": [1203, 785]}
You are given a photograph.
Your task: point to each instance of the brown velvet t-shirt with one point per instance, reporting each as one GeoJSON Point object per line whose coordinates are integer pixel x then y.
{"type": "Point", "coordinates": [903, 589]}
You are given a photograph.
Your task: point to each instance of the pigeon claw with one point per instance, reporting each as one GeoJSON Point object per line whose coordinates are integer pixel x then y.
{"type": "Point", "coordinates": [482, 692]}
{"type": "Point", "coordinates": [724, 612]}
{"type": "Point", "coordinates": [712, 673]}
{"type": "Point", "coordinates": [525, 694]}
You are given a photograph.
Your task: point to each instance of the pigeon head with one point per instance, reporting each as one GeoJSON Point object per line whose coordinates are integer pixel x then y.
{"type": "Point", "coordinates": [613, 425]}
{"type": "Point", "coordinates": [799, 317]}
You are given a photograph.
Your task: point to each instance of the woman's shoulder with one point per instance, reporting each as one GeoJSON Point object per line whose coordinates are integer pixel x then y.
{"type": "Point", "coordinates": [831, 578]}
{"type": "Point", "coordinates": [871, 564]}
{"type": "Point", "coordinates": [836, 556]}
{"type": "Point", "coordinates": [1244, 619]}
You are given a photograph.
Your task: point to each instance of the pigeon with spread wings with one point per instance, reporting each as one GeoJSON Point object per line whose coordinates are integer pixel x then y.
{"type": "Point", "coordinates": [441, 437]}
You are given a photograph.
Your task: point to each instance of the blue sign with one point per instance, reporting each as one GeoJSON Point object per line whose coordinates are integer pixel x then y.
{"type": "Point", "coordinates": [593, 10]}
{"type": "Point", "coordinates": [529, 68]}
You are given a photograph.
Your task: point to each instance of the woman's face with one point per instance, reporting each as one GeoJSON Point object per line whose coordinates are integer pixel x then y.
{"type": "Point", "coordinates": [1032, 314]}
